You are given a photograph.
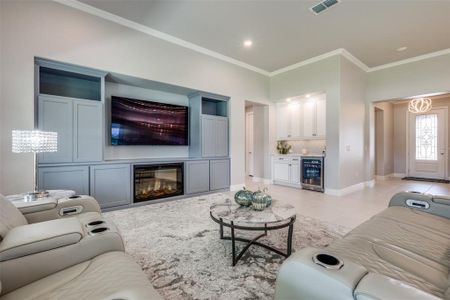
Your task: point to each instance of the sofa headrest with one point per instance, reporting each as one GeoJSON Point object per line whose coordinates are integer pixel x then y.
{"type": "Point", "coordinates": [10, 217]}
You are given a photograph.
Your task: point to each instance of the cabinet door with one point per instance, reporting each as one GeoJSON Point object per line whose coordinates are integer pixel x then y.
{"type": "Point", "coordinates": [295, 120]}
{"type": "Point", "coordinates": [221, 134]}
{"type": "Point", "coordinates": [196, 176]}
{"type": "Point", "coordinates": [55, 114]}
{"type": "Point", "coordinates": [219, 172]}
{"type": "Point", "coordinates": [87, 131]}
{"type": "Point", "coordinates": [281, 170]}
{"type": "Point", "coordinates": [321, 117]}
{"type": "Point", "coordinates": [208, 137]}
{"type": "Point", "coordinates": [295, 171]}
{"type": "Point", "coordinates": [111, 184]}
{"type": "Point", "coordinates": [65, 178]}
{"type": "Point", "coordinates": [309, 111]}
{"type": "Point", "coordinates": [283, 118]}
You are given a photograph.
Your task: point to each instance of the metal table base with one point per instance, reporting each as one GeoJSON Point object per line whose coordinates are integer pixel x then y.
{"type": "Point", "coordinates": [265, 228]}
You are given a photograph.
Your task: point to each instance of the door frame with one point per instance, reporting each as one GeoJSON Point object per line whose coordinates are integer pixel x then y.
{"type": "Point", "coordinates": [247, 171]}
{"type": "Point", "coordinates": [446, 127]}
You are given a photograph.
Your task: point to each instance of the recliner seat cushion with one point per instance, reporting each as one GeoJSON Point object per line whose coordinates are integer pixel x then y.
{"type": "Point", "coordinates": [10, 217]}
{"type": "Point", "coordinates": [112, 275]}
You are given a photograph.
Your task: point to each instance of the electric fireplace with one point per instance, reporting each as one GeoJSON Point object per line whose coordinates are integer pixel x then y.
{"type": "Point", "coordinates": [157, 181]}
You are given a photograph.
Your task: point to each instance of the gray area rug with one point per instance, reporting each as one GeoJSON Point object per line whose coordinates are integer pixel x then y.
{"type": "Point", "coordinates": [178, 247]}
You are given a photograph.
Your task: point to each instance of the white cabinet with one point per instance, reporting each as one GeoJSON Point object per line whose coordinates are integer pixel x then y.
{"type": "Point", "coordinates": [286, 170]}
{"type": "Point", "coordinates": [302, 119]}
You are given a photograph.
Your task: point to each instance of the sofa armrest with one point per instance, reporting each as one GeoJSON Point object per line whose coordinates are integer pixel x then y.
{"type": "Point", "coordinates": [379, 287]}
{"type": "Point", "coordinates": [46, 209]}
{"type": "Point", "coordinates": [34, 238]}
{"type": "Point", "coordinates": [301, 277]}
{"type": "Point", "coordinates": [438, 205]}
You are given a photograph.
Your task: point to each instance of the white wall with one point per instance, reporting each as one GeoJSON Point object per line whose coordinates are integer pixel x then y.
{"type": "Point", "coordinates": [352, 119]}
{"type": "Point", "coordinates": [54, 31]}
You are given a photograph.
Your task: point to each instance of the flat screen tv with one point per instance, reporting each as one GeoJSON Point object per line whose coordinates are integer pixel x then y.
{"type": "Point", "coordinates": [138, 122]}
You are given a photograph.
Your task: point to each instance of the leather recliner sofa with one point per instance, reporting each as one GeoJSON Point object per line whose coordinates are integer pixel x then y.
{"type": "Point", "coordinates": [74, 257]}
{"type": "Point", "coordinates": [400, 253]}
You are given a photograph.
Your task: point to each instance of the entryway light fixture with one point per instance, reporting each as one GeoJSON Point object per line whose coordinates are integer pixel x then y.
{"type": "Point", "coordinates": [419, 105]}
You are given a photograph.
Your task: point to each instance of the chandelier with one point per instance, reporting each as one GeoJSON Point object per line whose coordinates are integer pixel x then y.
{"type": "Point", "coordinates": [419, 105]}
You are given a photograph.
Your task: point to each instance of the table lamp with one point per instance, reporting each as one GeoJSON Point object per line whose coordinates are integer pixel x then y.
{"type": "Point", "coordinates": [34, 141]}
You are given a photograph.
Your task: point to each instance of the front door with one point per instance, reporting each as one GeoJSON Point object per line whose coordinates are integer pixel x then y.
{"type": "Point", "coordinates": [428, 144]}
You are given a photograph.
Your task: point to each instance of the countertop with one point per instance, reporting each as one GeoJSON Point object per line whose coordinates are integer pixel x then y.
{"type": "Point", "coordinates": [299, 154]}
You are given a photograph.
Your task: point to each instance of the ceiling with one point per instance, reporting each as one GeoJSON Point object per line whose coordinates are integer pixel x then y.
{"type": "Point", "coordinates": [286, 32]}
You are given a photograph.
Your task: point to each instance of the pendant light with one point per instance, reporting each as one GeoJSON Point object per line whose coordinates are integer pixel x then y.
{"type": "Point", "coordinates": [419, 105]}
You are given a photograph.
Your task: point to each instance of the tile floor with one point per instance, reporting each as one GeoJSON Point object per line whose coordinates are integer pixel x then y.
{"type": "Point", "coordinates": [352, 209]}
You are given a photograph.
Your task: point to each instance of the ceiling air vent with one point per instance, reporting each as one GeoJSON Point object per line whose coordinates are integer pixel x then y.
{"type": "Point", "coordinates": [322, 6]}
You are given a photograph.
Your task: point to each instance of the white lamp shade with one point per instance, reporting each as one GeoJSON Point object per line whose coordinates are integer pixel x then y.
{"type": "Point", "coordinates": [35, 141]}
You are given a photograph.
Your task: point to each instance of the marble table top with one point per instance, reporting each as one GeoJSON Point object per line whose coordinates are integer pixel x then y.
{"type": "Point", "coordinates": [229, 210]}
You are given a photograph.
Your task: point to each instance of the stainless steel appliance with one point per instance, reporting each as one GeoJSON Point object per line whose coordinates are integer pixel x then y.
{"type": "Point", "coordinates": [312, 173]}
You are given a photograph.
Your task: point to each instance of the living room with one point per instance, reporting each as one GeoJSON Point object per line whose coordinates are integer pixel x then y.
{"type": "Point", "coordinates": [158, 195]}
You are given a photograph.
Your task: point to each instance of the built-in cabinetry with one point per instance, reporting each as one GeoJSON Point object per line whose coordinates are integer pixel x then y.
{"type": "Point", "coordinates": [112, 183]}
{"type": "Point", "coordinates": [208, 125]}
{"type": "Point", "coordinates": [286, 170]}
{"type": "Point", "coordinates": [302, 119]}
{"type": "Point", "coordinates": [70, 100]}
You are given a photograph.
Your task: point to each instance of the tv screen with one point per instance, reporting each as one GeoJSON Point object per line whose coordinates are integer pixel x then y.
{"type": "Point", "coordinates": [138, 122]}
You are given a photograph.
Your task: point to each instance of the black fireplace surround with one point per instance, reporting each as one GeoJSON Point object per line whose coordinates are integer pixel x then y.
{"type": "Point", "coordinates": [153, 182]}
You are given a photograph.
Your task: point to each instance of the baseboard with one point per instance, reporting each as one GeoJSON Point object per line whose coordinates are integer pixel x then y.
{"type": "Point", "coordinates": [263, 180]}
{"type": "Point", "coordinates": [370, 183]}
{"type": "Point", "coordinates": [398, 175]}
{"type": "Point", "coordinates": [237, 187]}
{"type": "Point", "coordinates": [349, 189]}
{"type": "Point", "coordinates": [384, 177]}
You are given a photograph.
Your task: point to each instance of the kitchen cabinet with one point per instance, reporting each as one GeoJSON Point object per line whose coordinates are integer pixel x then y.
{"type": "Point", "coordinates": [286, 170]}
{"type": "Point", "coordinates": [302, 119]}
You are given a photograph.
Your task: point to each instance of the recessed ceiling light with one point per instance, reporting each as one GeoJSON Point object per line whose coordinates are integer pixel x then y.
{"type": "Point", "coordinates": [402, 49]}
{"type": "Point", "coordinates": [308, 95]}
{"type": "Point", "coordinates": [288, 99]}
{"type": "Point", "coordinates": [248, 43]}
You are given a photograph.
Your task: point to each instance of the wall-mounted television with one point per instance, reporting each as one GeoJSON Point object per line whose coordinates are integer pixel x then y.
{"type": "Point", "coordinates": [138, 122]}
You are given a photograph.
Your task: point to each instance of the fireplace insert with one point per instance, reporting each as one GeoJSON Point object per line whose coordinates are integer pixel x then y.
{"type": "Point", "coordinates": [157, 181]}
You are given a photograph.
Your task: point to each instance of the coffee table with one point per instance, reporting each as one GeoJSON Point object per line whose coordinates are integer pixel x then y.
{"type": "Point", "coordinates": [229, 214]}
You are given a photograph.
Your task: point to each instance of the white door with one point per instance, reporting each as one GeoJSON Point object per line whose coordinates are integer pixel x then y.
{"type": "Point", "coordinates": [428, 144]}
{"type": "Point", "coordinates": [309, 112]}
{"type": "Point", "coordinates": [249, 143]}
{"type": "Point", "coordinates": [283, 118]}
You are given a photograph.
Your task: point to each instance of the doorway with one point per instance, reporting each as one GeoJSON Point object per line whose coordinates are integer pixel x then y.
{"type": "Point", "coordinates": [428, 144]}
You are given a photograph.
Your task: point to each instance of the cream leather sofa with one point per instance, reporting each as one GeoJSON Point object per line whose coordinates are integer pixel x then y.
{"type": "Point", "coordinates": [401, 253]}
{"type": "Point", "coordinates": [77, 257]}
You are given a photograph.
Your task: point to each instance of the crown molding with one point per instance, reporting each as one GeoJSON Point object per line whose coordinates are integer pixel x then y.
{"type": "Point", "coordinates": [410, 60]}
{"type": "Point", "coordinates": [155, 33]}
{"type": "Point", "coordinates": [171, 39]}
{"type": "Point", "coordinates": [306, 62]}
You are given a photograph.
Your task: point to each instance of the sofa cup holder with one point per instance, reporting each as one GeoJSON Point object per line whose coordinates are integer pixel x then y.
{"type": "Point", "coordinates": [74, 197]}
{"type": "Point", "coordinates": [328, 261]}
{"type": "Point", "coordinates": [98, 230]}
{"type": "Point", "coordinates": [95, 223]}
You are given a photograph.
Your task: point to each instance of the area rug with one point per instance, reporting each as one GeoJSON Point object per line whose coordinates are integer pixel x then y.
{"type": "Point", "coordinates": [178, 247]}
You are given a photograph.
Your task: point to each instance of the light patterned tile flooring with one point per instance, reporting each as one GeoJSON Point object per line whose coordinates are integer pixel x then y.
{"type": "Point", "coordinates": [352, 209]}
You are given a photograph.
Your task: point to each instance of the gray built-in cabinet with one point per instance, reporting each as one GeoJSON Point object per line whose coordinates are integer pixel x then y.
{"type": "Point", "coordinates": [78, 124]}
{"type": "Point", "coordinates": [71, 102]}
{"type": "Point", "coordinates": [111, 184]}
{"type": "Point", "coordinates": [74, 178]}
